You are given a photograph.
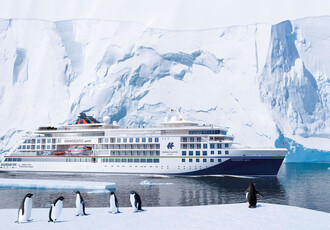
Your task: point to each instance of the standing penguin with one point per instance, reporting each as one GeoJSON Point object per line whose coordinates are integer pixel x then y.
{"type": "Point", "coordinates": [80, 204]}
{"type": "Point", "coordinates": [24, 211]}
{"type": "Point", "coordinates": [114, 206]}
{"type": "Point", "coordinates": [56, 209]}
{"type": "Point", "coordinates": [251, 195]}
{"type": "Point", "coordinates": [135, 201]}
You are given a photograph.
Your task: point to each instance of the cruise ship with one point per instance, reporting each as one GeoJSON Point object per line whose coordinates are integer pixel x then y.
{"type": "Point", "coordinates": [178, 147]}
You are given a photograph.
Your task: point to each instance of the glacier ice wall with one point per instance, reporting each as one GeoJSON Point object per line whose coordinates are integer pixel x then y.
{"type": "Point", "coordinates": [261, 81]}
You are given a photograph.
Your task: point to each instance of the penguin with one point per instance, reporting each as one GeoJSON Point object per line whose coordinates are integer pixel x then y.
{"type": "Point", "coordinates": [56, 209]}
{"type": "Point", "coordinates": [114, 206]}
{"type": "Point", "coordinates": [24, 211]}
{"type": "Point", "coordinates": [251, 195]}
{"type": "Point", "coordinates": [80, 204]}
{"type": "Point", "coordinates": [135, 201]}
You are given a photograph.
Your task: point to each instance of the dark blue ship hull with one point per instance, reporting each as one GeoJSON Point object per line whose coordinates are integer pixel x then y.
{"type": "Point", "coordinates": [243, 167]}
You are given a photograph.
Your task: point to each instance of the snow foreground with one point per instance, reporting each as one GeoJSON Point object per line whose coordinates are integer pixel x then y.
{"type": "Point", "coordinates": [262, 81]}
{"type": "Point", "coordinates": [228, 216]}
{"type": "Point", "coordinates": [56, 184]}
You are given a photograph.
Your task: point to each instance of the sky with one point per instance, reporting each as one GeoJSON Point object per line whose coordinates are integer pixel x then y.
{"type": "Point", "coordinates": [168, 14]}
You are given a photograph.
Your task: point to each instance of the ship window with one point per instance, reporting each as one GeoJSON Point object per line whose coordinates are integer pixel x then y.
{"type": "Point", "coordinates": [191, 139]}
{"type": "Point", "coordinates": [157, 152]}
{"type": "Point", "coordinates": [204, 160]}
{"type": "Point", "coordinates": [150, 139]}
{"type": "Point", "coordinates": [143, 139]}
{"type": "Point", "coordinates": [117, 160]}
{"type": "Point", "coordinates": [143, 160]}
{"type": "Point", "coordinates": [198, 153]}
{"type": "Point", "coordinates": [204, 146]}
{"type": "Point", "coordinates": [14, 159]}
{"type": "Point", "coordinates": [227, 152]}
{"type": "Point", "coordinates": [191, 153]}
{"type": "Point", "coordinates": [183, 160]}
{"type": "Point", "coordinates": [226, 145]}
{"type": "Point", "coordinates": [212, 160]}
{"type": "Point", "coordinates": [149, 160]}
{"type": "Point", "coordinates": [191, 146]}
{"type": "Point", "coordinates": [136, 160]}
{"type": "Point", "coordinates": [219, 160]}
{"type": "Point", "coordinates": [212, 146]}
{"type": "Point", "coordinates": [156, 139]}
{"type": "Point", "coordinates": [184, 146]}
{"type": "Point", "coordinates": [106, 140]}
{"type": "Point", "coordinates": [49, 141]}
{"type": "Point", "coordinates": [124, 160]}
{"type": "Point", "coordinates": [137, 140]}
{"type": "Point", "coordinates": [212, 152]}
{"type": "Point", "coordinates": [184, 153]}
{"type": "Point", "coordinates": [199, 139]}
{"type": "Point", "coordinates": [38, 141]}
{"type": "Point", "coordinates": [198, 146]}
{"type": "Point", "coordinates": [112, 140]}
{"type": "Point", "coordinates": [219, 152]}
{"type": "Point", "coordinates": [38, 146]}
{"type": "Point", "coordinates": [130, 160]}
{"type": "Point", "coordinates": [48, 146]}
{"type": "Point", "coordinates": [184, 139]}
{"type": "Point", "coordinates": [118, 140]}
{"type": "Point", "coordinates": [156, 161]}
{"type": "Point", "coordinates": [190, 160]}
{"type": "Point", "coordinates": [124, 140]}
{"type": "Point", "coordinates": [193, 132]}
{"type": "Point", "coordinates": [20, 147]}
{"type": "Point", "coordinates": [131, 140]}
{"type": "Point", "coordinates": [219, 146]}
{"type": "Point", "coordinates": [197, 160]}
{"type": "Point", "coordinates": [28, 147]}
{"type": "Point", "coordinates": [24, 146]}
{"type": "Point", "coordinates": [204, 153]}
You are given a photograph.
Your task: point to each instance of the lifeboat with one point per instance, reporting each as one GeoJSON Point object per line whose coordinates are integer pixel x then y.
{"type": "Point", "coordinates": [58, 153]}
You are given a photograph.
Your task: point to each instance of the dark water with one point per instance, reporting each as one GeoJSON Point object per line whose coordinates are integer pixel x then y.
{"type": "Point", "coordinates": [302, 185]}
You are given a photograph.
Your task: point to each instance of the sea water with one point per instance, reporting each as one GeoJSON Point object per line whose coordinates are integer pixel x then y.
{"type": "Point", "coordinates": [302, 185]}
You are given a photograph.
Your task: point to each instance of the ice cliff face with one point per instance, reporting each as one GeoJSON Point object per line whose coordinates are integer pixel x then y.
{"type": "Point", "coordinates": [269, 84]}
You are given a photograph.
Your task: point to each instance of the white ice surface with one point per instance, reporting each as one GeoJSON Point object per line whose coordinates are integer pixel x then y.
{"type": "Point", "coordinates": [229, 216]}
{"type": "Point", "coordinates": [55, 184]}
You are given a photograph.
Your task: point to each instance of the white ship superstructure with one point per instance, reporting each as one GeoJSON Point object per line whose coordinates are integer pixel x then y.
{"type": "Point", "coordinates": [179, 147]}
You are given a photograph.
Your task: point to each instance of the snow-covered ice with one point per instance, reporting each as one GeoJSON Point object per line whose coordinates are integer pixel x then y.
{"type": "Point", "coordinates": [228, 216]}
{"type": "Point", "coordinates": [56, 184]}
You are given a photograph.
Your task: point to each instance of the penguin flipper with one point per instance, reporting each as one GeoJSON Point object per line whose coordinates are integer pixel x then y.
{"type": "Point", "coordinates": [50, 214]}
{"type": "Point", "coordinates": [83, 204]}
{"type": "Point", "coordinates": [259, 194]}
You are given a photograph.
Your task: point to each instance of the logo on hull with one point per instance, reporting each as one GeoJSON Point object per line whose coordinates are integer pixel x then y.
{"type": "Point", "coordinates": [170, 145]}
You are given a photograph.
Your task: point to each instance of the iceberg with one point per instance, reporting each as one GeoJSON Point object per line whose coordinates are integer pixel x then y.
{"type": "Point", "coordinates": [56, 184]}
{"type": "Point", "coordinates": [262, 81]}
{"type": "Point", "coordinates": [148, 182]}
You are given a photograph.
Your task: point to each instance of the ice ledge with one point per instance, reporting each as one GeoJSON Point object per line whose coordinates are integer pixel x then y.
{"type": "Point", "coordinates": [55, 184]}
{"type": "Point", "coordinates": [228, 216]}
